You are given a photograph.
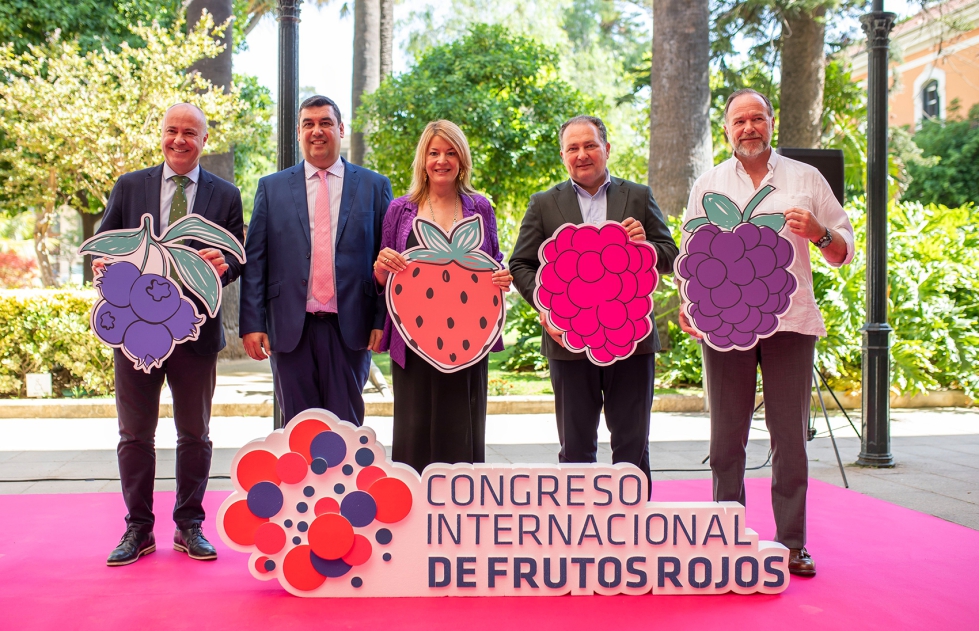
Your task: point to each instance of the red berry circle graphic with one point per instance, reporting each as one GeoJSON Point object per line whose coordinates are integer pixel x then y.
{"type": "Point", "coordinates": [331, 536]}
{"type": "Point", "coordinates": [257, 466]}
{"type": "Point", "coordinates": [393, 499]}
{"type": "Point", "coordinates": [240, 524]}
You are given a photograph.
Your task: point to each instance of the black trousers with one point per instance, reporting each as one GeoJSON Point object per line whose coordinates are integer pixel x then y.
{"type": "Point", "coordinates": [438, 417]}
{"type": "Point", "coordinates": [322, 372]}
{"type": "Point", "coordinates": [191, 378]}
{"type": "Point", "coordinates": [786, 369]}
{"type": "Point", "coordinates": [624, 389]}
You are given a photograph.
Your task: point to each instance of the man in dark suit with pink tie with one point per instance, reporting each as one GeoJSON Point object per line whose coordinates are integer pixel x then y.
{"type": "Point", "coordinates": [308, 299]}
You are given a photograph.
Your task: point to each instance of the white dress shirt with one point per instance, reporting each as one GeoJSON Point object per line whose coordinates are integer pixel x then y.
{"type": "Point", "coordinates": [168, 188]}
{"type": "Point", "coordinates": [334, 181]}
{"type": "Point", "coordinates": [796, 185]}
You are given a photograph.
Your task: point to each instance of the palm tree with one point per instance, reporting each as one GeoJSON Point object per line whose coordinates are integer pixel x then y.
{"type": "Point", "coordinates": [679, 116]}
{"type": "Point", "coordinates": [367, 64]}
{"type": "Point", "coordinates": [218, 72]}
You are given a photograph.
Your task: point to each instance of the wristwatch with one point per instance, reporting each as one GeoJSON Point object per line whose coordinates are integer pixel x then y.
{"type": "Point", "coordinates": [824, 240]}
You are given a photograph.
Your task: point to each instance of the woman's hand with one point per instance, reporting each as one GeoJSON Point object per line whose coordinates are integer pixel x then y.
{"type": "Point", "coordinates": [388, 262]}
{"type": "Point", "coordinates": [502, 278]}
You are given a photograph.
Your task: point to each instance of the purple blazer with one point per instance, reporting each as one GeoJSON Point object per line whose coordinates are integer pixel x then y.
{"type": "Point", "coordinates": [394, 235]}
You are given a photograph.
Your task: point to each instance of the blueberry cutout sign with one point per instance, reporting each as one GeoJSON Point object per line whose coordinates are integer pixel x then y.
{"type": "Point", "coordinates": [596, 286]}
{"type": "Point", "coordinates": [734, 272]}
{"type": "Point", "coordinates": [141, 310]}
{"type": "Point", "coordinates": [444, 303]}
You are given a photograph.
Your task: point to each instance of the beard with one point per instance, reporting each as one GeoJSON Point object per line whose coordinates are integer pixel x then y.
{"type": "Point", "coordinates": [741, 150]}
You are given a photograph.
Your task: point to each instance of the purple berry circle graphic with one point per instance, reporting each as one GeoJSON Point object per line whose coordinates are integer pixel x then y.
{"type": "Point", "coordinates": [147, 342]}
{"type": "Point", "coordinates": [330, 447]}
{"type": "Point", "coordinates": [359, 508]}
{"type": "Point", "coordinates": [154, 298]}
{"type": "Point", "coordinates": [185, 322]}
{"type": "Point", "coordinates": [116, 282]}
{"type": "Point", "coordinates": [111, 322]}
{"type": "Point", "coordinates": [329, 568]}
{"type": "Point", "coordinates": [265, 499]}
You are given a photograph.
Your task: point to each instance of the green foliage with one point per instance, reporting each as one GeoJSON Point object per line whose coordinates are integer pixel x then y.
{"type": "Point", "coordinates": [94, 23]}
{"type": "Point", "coordinates": [48, 331]}
{"type": "Point", "coordinates": [524, 321]}
{"type": "Point", "coordinates": [952, 179]}
{"type": "Point", "coordinates": [681, 365]}
{"type": "Point", "coordinates": [933, 252]}
{"type": "Point", "coordinates": [503, 91]}
{"type": "Point", "coordinates": [255, 151]}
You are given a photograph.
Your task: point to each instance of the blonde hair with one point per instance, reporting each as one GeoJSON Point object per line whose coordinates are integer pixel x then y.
{"type": "Point", "coordinates": [450, 132]}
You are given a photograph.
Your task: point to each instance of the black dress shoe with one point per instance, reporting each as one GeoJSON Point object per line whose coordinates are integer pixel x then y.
{"type": "Point", "coordinates": [800, 563]}
{"type": "Point", "coordinates": [191, 540]}
{"type": "Point", "coordinates": [133, 545]}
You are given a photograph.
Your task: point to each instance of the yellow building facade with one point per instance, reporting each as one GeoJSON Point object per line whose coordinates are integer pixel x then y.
{"type": "Point", "coordinates": [935, 64]}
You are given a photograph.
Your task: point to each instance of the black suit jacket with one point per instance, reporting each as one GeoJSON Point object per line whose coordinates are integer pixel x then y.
{"type": "Point", "coordinates": [217, 200]}
{"type": "Point", "coordinates": [273, 284]}
{"type": "Point", "coordinates": [551, 209]}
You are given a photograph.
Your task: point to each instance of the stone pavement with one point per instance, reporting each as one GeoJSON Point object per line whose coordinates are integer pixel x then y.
{"type": "Point", "coordinates": [937, 453]}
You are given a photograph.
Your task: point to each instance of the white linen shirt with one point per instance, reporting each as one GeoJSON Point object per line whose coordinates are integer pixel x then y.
{"type": "Point", "coordinates": [334, 180]}
{"type": "Point", "coordinates": [796, 185]}
{"type": "Point", "coordinates": [168, 188]}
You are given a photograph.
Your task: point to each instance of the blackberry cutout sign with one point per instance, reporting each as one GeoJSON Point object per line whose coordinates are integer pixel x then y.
{"type": "Point", "coordinates": [734, 272]}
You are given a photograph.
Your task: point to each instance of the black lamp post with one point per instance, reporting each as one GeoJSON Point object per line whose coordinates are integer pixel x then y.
{"type": "Point", "coordinates": [287, 155]}
{"type": "Point", "coordinates": [287, 14]}
{"type": "Point", "coordinates": [876, 441]}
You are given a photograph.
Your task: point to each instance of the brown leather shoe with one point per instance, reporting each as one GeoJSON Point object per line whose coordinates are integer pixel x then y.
{"type": "Point", "coordinates": [800, 563]}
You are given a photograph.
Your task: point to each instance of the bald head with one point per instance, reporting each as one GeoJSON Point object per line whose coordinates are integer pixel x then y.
{"type": "Point", "coordinates": [184, 136]}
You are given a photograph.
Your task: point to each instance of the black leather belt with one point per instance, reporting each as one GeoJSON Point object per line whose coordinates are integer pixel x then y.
{"type": "Point", "coordinates": [323, 315]}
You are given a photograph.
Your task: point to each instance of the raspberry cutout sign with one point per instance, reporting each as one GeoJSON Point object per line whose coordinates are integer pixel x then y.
{"type": "Point", "coordinates": [734, 272]}
{"type": "Point", "coordinates": [141, 310]}
{"type": "Point", "coordinates": [596, 286]}
{"type": "Point", "coordinates": [444, 304]}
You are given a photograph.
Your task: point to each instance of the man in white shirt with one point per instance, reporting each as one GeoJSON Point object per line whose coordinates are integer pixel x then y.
{"type": "Point", "coordinates": [812, 215]}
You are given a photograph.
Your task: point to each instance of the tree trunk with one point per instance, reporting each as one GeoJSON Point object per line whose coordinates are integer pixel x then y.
{"type": "Point", "coordinates": [680, 147]}
{"type": "Point", "coordinates": [367, 65]}
{"type": "Point", "coordinates": [89, 222]}
{"type": "Point", "coordinates": [218, 72]}
{"type": "Point", "coordinates": [42, 222]}
{"type": "Point", "coordinates": [387, 37]}
{"type": "Point", "coordinates": [803, 77]}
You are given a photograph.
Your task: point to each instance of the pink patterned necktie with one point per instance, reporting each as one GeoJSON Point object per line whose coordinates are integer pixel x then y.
{"type": "Point", "coordinates": [322, 272]}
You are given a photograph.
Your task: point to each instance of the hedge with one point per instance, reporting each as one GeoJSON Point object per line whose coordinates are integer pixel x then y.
{"type": "Point", "coordinates": [48, 331]}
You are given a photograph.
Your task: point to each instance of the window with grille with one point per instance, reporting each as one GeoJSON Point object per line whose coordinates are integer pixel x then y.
{"type": "Point", "coordinates": [930, 100]}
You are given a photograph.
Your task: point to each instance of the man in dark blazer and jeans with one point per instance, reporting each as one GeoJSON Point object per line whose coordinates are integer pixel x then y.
{"type": "Point", "coordinates": [582, 389]}
{"type": "Point", "coordinates": [168, 191]}
{"type": "Point", "coordinates": [308, 299]}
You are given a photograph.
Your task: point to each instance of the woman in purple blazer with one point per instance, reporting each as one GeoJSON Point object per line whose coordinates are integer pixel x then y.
{"type": "Point", "coordinates": [438, 417]}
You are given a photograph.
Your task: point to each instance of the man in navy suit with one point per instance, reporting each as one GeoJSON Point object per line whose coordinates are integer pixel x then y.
{"type": "Point", "coordinates": [166, 192]}
{"type": "Point", "coordinates": [308, 298]}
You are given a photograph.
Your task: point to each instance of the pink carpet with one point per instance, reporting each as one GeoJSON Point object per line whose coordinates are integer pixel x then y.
{"type": "Point", "coordinates": [880, 567]}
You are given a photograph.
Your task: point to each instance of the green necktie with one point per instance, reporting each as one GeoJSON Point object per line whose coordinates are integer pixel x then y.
{"type": "Point", "coordinates": [178, 207]}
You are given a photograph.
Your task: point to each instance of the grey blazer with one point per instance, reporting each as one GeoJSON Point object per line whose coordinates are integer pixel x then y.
{"type": "Point", "coordinates": [551, 209]}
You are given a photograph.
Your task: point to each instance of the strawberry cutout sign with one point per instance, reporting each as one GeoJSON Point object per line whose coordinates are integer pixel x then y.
{"type": "Point", "coordinates": [444, 304]}
{"type": "Point", "coordinates": [596, 286]}
{"type": "Point", "coordinates": [734, 272]}
{"type": "Point", "coordinates": [141, 309]}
